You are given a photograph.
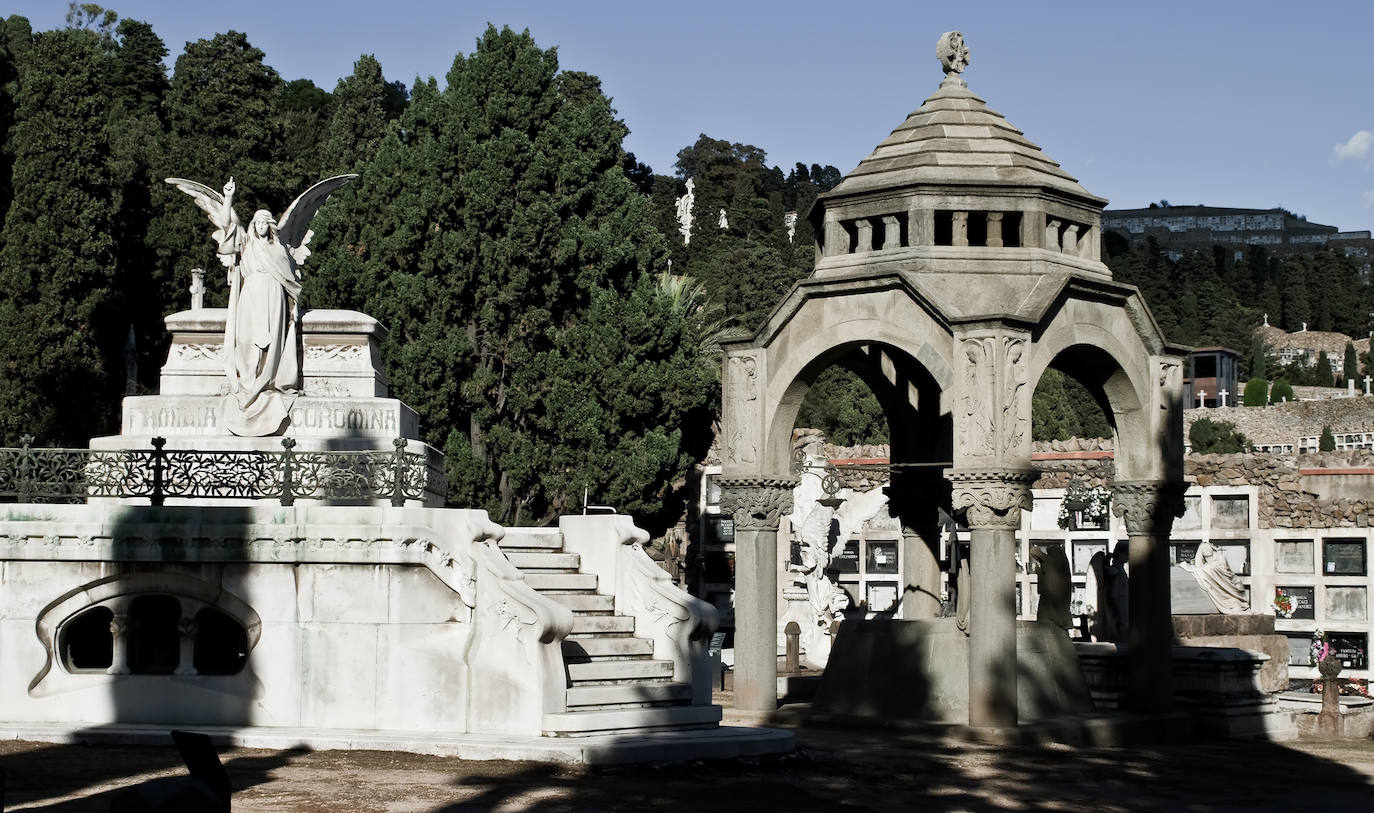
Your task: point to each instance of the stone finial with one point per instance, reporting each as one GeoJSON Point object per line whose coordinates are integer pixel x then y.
{"type": "Point", "coordinates": [952, 52]}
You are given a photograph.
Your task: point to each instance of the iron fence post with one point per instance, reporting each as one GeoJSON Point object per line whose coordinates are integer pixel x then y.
{"type": "Point", "coordinates": [288, 486]}
{"type": "Point", "coordinates": [25, 468]}
{"type": "Point", "coordinates": [159, 463]}
{"type": "Point", "coordinates": [398, 465]}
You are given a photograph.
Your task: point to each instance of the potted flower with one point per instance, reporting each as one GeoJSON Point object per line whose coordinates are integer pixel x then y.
{"type": "Point", "coordinates": [1283, 603]}
{"type": "Point", "coordinates": [1085, 506]}
{"type": "Point", "coordinates": [1328, 665]}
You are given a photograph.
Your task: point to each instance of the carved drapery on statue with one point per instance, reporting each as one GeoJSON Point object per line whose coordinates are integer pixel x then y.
{"type": "Point", "coordinates": [756, 503]}
{"type": "Point", "coordinates": [992, 499]}
{"type": "Point", "coordinates": [262, 349]}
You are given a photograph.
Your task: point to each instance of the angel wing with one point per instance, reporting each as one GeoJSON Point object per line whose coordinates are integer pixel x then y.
{"type": "Point", "coordinates": [211, 202]}
{"type": "Point", "coordinates": [294, 227]}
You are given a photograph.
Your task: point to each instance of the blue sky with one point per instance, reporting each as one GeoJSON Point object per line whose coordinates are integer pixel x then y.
{"type": "Point", "coordinates": [1252, 104]}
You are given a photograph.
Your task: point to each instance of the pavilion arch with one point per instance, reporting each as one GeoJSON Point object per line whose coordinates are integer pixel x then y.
{"type": "Point", "coordinates": [972, 260]}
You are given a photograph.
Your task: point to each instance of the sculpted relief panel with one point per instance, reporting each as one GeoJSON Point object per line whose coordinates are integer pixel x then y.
{"type": "Point", "coordinates": [993, 419]}
{"type": "Point", "coordinates": [743, 410]}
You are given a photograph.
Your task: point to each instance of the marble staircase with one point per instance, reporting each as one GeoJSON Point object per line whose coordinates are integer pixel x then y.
{"type": "Point", "coordinates": [614, 681]}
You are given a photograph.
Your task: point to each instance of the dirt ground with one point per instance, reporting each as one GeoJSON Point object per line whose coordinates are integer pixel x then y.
{"type": "Point", "coordinates": [833, 769]}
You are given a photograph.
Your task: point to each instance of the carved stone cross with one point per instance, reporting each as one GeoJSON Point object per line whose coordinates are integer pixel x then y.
{"type": "Point", "coordinates": [1223, 395]}
{"type": "Point", "coordinates": [1366, 384]}
{"type": "Point", "coordinates": [1201, 395]}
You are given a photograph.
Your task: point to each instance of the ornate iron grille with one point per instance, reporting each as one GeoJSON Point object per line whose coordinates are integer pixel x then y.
{"type": "Point", "coordinates": [30, 474]}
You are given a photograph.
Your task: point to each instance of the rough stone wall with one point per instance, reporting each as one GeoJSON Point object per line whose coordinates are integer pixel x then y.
{"type": "Point", "coordinates": [1285, 423]}
{"type": "Point", "coordinates": [1283, 503]}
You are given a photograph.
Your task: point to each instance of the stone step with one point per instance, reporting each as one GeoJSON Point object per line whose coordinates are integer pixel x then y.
{"type": "Point", "coordinates": [602, 624]}
{"type": "Point", "coordinates": [545, 539]}
{"type": "Point", "coordinates": [584, 602]}
{"type": "Point", "coordinates": [543, 561]}
{"type": "Point", "coordinates": [629, 694]}
{"type": "Point", "coordinates": [561, 581]}
{"type": "Point", "coordinates": [583, 648]}
{"type": "Point", "coordinates": [610, 671]}
{"type": "Point", "coordinates": [585, 723]}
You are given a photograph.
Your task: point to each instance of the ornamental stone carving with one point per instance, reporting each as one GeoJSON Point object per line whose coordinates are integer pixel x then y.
{"type": "Point", "coordinates": [1148, 506]}
{"type": "Point", "coordinates": [992, 421]}
{"type": "Point", "coordinates": [756, 503]}
{"type": "Point", "coordinates": [992, 499]}
{"type": "Point", "coordinates": [743, 409]}
{"type": "Point", "coordinates": [952, 52]}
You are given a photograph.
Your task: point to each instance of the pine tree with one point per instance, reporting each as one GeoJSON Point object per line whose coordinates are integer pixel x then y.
{"type": "Point", "coordinates": [61, 330]}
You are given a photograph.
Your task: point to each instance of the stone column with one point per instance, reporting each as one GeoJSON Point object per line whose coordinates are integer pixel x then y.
{"type": "Point", "coordinates": [994, 229]}
{"type": "Point", "coordinates": [920, 224]}
{"type": "Point", "coordinates": [119, 654]}
{"type": "Point", "coordinates": [993, 501]}
{"type": "Point", "coordinates": [836, 238]}
{"type": "Point", "coordinates": [892, 232]}
{"type": "Point", "coordinates": [1052, 236]}
{"type": "Point", "coordinates": [1148, 508]}
{"type": "Point", "coordinates": [187, 627]}
{"type": "Point", "coordinates": [863, 230]}
{"type": "Point", "coordinates": [1070, 239]}
{"type": "Point", "coordinates": [960, 229]}
{"type": "Point", "coordinates": [757, 505]}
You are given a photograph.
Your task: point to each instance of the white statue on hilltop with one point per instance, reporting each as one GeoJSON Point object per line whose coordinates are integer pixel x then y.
{"type": "Point", "coordinates": [262, 351]}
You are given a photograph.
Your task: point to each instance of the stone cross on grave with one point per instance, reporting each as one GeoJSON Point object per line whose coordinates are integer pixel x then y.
{"type": "Point", "coordinates": [1366, 385]}
{"type": "Point", "coordinates": [1223, 395]}
{"type": "Point", "coordinates": [1201, 395]}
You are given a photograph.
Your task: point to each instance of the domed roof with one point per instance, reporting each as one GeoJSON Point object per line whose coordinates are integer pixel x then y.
{"type": "Point", "coordinates": [955, 138]}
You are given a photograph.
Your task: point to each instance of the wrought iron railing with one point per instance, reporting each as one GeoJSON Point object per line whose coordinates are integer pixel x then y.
{"type": "Point", "coordinates": [29, 474]}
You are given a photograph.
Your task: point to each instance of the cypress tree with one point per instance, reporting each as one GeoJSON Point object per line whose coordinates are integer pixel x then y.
{"type": "Point", "coordinates": [221, 113]}
{"type": "Point", "coordinates": [503, 221]}
{"type": "Point", "coordinates": [61, 332]}
{"type": "Point", "coordinates": [361, 116]}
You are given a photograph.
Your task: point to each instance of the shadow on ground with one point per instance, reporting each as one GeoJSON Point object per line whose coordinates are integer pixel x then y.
{"type": "Point", "coordinates": [842, 769]}
{"type": "Point", "coordinates": [79, 778]}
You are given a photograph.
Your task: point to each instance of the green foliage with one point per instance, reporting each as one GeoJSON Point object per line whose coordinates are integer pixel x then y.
{"type": "Point", "coordinates": [751, 265]}
{"type": "Point", "coordinates": [61, 320]}
{"type": "Point", "coordinates": [1208, 297]}
{"type": "Point", "coordinates": [844, 408]}
{"type": "Point", "coordinates": [512, 235]}
{"type": "Point", "coordinates": [1351, 367]}
{"type": "Point", "coordinates": [1216, 437]}
{"type": "Point", "coordinates": [1327, 441]}
{"type": "Point", "coordinates": [1062, 408]}
{"type": "Point", "coordinates": [362, 116]}
{"type": "Point", "coordinates": [1322, 371]}
{"type": "Point", "coordinates": [1281, 392]}
{"type": "Point", "coordinates": [1256, 392]}
{"type": "Point", "coordinates": [222, 121]}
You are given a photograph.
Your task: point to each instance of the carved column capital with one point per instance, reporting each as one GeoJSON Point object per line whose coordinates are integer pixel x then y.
{"type": "Point", "coordinates": [992, 499]}
{"type": "Point", "coordinates": [756, 503]}
{"type": "Point", "coordinates": [1147, 506]}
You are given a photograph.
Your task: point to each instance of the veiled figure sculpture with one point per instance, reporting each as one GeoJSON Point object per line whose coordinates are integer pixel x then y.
{"type": "Point", "coordinates": [262, 350]}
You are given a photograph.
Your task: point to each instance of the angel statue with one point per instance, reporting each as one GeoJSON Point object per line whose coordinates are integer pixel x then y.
{"type": "Point", "coordinates": [262, 349]}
